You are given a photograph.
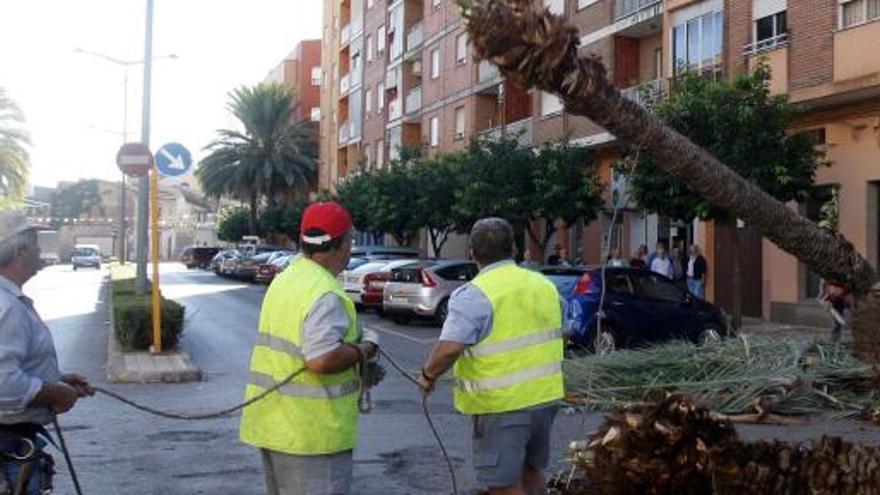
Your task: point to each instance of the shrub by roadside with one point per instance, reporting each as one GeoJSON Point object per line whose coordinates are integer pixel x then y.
{"type": "Point", "coordinates": [132, 314]}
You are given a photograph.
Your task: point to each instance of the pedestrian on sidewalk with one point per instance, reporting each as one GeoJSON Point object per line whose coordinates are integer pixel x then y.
{"type": "Point", "coordinates": [503, 336]}
{"type": "Point", "coordinates": [615, 259]}
{"type": "Point", "coordinates": [32, 389]}
{"type": "Point", "coordinates": [696, 272]}
{"type": "Point", "coordinates": [639, 257]}
{"type": "Point", "coordinates": [660, 263]}
{"type": "Point", "coordinates": [308, 429]}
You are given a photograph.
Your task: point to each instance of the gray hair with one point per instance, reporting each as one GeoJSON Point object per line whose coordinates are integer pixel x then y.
{"type": "Point", "coordinates": [491, 240]}
{"type": "Point", "coordinates": [9, 248]}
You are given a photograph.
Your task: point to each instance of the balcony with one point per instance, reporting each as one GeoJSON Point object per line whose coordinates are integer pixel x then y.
{"type": "Point", "coordinates": [344, 85]}
{"type": "Point", "coordinates": [344, 133]}
{"type": "Point", "coordinates": [855, 53]}
{"type": "Point", "coordinates": [644, 94]}
{"type": "Point", "coordinates": [626, 8]}
{"type": "Point", "coordinates": [391, 79]}
{"type": "Point", "coordinates": [765, 45]}
{"type": "Point", "coordinates": [414, 101]}
{"type": "Point", "coordinates": [415, 37]}
{"type": "Point", "coordinates": [523, 129]}
{"type": "Point", "coordinates": [487, 72]}
{"type": "Point", "coordinates": [344, 35]}
{"type": "Point", "coordinates": [395, 109]}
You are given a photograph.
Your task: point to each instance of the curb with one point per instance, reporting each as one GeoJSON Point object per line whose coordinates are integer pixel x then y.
{"type": "Point", "coordinates": [142, 367]}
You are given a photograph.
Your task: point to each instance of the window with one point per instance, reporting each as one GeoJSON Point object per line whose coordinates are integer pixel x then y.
{"type": "Point", "coordinates": [459, 123]}
{"type": "Point", "coordinates": [653, 286]}
{"type": "Point", "coordinates": [658, 64]}
{"type": "Point", "coordinates": [435, 131]}
{"type": "Point", "coordinates": [697, 43]}
{"type": "Point", "coordinates": [855, 12]}
{"type": "Point", "coordinates": [368, 105]}
{"type": "Point", "coordinates": [582, 4]}
{"type": "Point", "coordinates": [555, 6]}
{"type": "Point", "coordinates": [380, 96]}
{"type": "Point", "coordinates": [460, 273]}
{"type": "Point", "coordinates": [316, 76]}
{"type": "Point", "coordinates": [315, 114]}
{"type": "Point", "coordinates": [435, 63]}
{"type": "Point", "coordinates": [768, 29]}
{"type": "Point", "coordinates": [368, 156]}
{"type": "Point", "coordinates": [370, 50]}
{"type": "Point", "coordinates": [620, 283]}
{"type": "Point", "coordinates": [380, 41]}
{"type": "Point", "coordinates": [816, 136]}
{"type": "Point", "coordinates": [370, 4]}
{"type": "Point", "coordinates": [380, 153]}
{"type": "Point", "coordinates": [461, 49]}
{"type": "Point", "coordinates": [436, 4]}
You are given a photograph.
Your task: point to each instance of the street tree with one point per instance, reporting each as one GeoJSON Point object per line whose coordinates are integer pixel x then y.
{"type": "Point", "coordinates": [14, 157]}
{"type": "Point", "coordinates": [355, 192]}
{"type": "Point", "coordinates": [744, 126]}
{"type": "Point", "coordinates": [269, 157]}
{"type": "Point", "coordinates": [283, 219]}
{"type": "Point", "coordinates": [233, 224]}
{"type": "Point", "coordinates": [566, 188]}
{"type": "Point", "coordinates": [436, 179]}
{"type": "Point", "coordinates": [394, 203]}
{"type": "Point", "coordinates": [536, 49]}
{"type": "Point", "coordinates": [76, 200]}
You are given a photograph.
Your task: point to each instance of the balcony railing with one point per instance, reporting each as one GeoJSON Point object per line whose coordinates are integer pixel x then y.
{"type": "Point", "coordinates": [344, 35]}
{"type": "Point", "coordinates": [395, 109]}
{"type": "Point", "coordinates": [624, 8]}
{"type": "Point", "coordinates": [644, 94]}
{"type": "Point", "coordinates": [344, 85]}
{"type": "Point", "coordinates": [766, 44]}
{"type": "Point", "coordinates": [414, 101]}
{"type": "Point", "coordinates": [344, 133]}
{"type": "Point", "coordinates": [487, 71]}
{"type": "Point", "coordinates": [523, 129]}
{"type": "Point", "coordinates": [415, 37]}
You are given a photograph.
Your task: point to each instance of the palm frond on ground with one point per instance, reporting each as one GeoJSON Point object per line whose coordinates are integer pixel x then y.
{"type": "Point", "coordinates": [270, 157]}
{"type": "Point", "coordinates": [14, 157]}
{"type": "Point", "coordinates": [537, 49]}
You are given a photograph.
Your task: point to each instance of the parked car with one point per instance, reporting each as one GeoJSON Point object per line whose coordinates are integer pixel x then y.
{"type": "Point", "coordinates": [423, 288]}
{"type": "Point", "coordinates": [249, 250]}
{"type": "Point", "coordinates": [228, 264]}
{"type": "Point", "coordinates": [219, 257]}
{"type": "Point", "coordinates": [246, 268]}
{"type": "Point", "coordinates": [267, 271]}
{"type": "Point", "coordinates": [384, 252]}
{"type": "Point", "coordinates": [86, 255]}
{"type": "Point", "coordinates": [355, 281]}
{"type": "Point", "coordinates": [198, 256]}
{"type": "Point", "coordinates": [640, 308]}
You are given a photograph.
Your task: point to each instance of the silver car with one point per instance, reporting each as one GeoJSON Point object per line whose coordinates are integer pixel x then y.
{"type": "Point", "coordinates": [354, 281]}
{"type": "Point", "coordinates": [423, 288]}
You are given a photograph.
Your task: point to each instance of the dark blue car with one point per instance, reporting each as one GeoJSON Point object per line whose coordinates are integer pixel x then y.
{"type": "Point", "coordinates": [640, 308]}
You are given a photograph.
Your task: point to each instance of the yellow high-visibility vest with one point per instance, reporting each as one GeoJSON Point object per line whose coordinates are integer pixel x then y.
{"type": "Point", "coordinates": [519, 364]}
{"type": "Point", "coordinates": [314, 414]}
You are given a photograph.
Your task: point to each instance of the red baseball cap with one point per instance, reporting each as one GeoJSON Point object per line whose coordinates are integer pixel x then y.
{"type": "Point", "coordinates": [331, 219]}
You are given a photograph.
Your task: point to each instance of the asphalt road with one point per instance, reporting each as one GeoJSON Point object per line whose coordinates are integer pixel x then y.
{"type": "Point", "coordinates": [118, 450]}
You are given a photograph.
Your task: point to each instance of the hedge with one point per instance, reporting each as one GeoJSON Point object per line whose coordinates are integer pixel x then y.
{"type": "Point", "coordinates": [133, 314]}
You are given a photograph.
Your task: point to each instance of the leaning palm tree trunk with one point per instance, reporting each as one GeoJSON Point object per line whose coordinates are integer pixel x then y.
{"type": "Point", "coordinates": [536, 49]}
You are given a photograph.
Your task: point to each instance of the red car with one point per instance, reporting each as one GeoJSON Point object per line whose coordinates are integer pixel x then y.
{"type": "Point", "coordinates": [266, 272]}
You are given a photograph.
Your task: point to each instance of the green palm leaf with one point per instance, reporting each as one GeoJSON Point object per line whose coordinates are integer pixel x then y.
{"type": "Point", "coordinates": [14, 157]}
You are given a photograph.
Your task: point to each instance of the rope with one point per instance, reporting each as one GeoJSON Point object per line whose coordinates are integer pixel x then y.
{"type": "Point", "coordinates": [66, 453]}
{"type": "Point", "coordinates": [403, 372]}
{"type": "Point", "coordinates": [211, 415]}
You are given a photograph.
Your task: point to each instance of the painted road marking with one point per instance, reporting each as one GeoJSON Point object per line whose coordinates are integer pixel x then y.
{"type": "Point", "coordinates": [402, 335]}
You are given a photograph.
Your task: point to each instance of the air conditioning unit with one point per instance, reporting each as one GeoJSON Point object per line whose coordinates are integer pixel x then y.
{"type": "Point", "coordinates": [417, 68]}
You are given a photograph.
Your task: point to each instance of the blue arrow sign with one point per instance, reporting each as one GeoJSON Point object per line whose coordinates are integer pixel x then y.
{"type": "Point", "coordinates": [173, 159]}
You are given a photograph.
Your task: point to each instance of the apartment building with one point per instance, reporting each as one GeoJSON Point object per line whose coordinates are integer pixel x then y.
{"type": "Point", "coordinates": [420, 86]}
{"type": "Point", "coordinates": [301, 70]}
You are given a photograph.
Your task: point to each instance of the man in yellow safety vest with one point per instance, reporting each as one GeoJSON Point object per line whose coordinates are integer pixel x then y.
{"type": "Point", "coordinates": [307, 430]}
{"type": "Point", "coordinates": [504, 337]}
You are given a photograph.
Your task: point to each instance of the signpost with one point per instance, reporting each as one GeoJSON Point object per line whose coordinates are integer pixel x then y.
{"type": "Point", "coordinates": [173, 159]}
{"type": "Point", "coordinates": [134, 159]}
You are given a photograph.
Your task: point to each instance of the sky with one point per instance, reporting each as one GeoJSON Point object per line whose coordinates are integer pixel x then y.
{"type": "Point", "coordinates": [74, 102]}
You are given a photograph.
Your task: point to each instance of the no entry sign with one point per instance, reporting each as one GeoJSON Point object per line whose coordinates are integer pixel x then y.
{"type": "Point", "coordinates": [134, 159]}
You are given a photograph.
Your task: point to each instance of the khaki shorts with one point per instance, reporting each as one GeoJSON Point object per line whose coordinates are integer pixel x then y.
{"type": "Point", "coordinates": [505, 443]}
{"type": "Point", "coordinates": [307, 474]}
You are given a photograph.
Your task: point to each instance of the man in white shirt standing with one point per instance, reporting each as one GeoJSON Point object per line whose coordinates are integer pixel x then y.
{"type": "Point", "coordinates": [661, 263]}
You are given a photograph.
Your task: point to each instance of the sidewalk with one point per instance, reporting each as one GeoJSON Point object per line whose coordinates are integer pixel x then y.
{"type": "Point", "coordinates": [761, 328]}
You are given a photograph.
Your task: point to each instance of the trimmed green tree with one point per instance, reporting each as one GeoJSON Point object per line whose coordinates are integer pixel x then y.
{"type": "Point", "coordinates": [233, 224]}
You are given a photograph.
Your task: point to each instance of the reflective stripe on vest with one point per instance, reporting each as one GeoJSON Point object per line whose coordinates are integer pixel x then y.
{"type": "Point", "coordinates": [295, 389]}
{"type": "Point", "coordinates": [513, 344]}
{"type": "Point", "coordinates": [280, 345]}
{"type": "Point", "coordinates": [512, 379]}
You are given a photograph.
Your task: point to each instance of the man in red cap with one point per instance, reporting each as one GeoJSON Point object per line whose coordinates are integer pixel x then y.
{"type": "Point", "coordinates": [307, 430]}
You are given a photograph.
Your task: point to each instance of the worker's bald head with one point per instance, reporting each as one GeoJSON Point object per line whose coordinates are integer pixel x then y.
{"type": "Point", "coordinates": [491, 240]}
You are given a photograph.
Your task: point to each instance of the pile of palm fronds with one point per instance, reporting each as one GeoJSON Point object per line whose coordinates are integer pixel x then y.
{"type": "Point", "coordinates": [675, 447]}
{"type": "Point", "coordinates": [737, 376]}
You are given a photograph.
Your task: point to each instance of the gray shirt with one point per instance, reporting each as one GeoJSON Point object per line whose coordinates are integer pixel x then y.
{"type": "Point", "coordinates": [325, 327]}
{"type": "Point", "coordinates": [27, 357]}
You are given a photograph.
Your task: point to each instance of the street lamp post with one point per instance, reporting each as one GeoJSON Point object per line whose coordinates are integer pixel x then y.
{"type": "Point", "coordinates": [125, 64]}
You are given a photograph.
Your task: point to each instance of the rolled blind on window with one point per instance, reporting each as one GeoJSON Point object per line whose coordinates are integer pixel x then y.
{"type": "Point", "coordinates": [764, 8]}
